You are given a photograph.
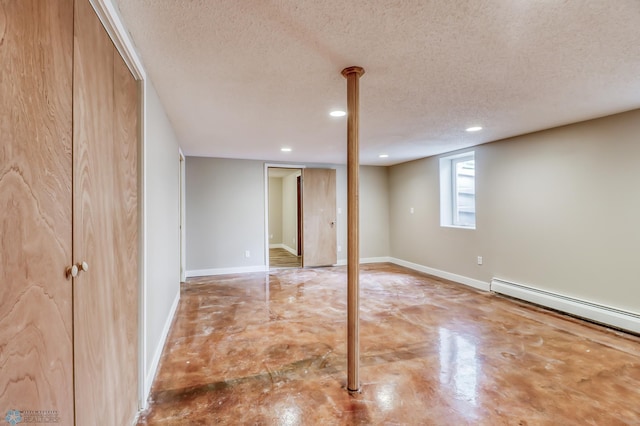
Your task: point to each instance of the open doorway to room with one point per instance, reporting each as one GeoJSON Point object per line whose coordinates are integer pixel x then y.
{"type": "Point", "coordinates": [284, 217]}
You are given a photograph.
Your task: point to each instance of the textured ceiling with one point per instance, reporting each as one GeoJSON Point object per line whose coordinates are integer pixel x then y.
{"type": "Point", "coordinates": [243, 78]}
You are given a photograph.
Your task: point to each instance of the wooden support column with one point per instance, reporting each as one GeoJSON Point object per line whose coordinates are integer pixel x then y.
{"type": "Point", "coordinates": [352, 74]}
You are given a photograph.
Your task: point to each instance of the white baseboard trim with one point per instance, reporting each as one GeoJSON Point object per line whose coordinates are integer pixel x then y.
{"type": "Point", "coordinates": [384, 259]}
{"type": "Point", "coordinates": [363, 260]}
{"type": "Point", "coordinates": [225, 271]}
{"type": "Point", "coordinates": [581, 308]}
{"type": "Point", "coordinates": [471, 282]}
{"type": "Point", "coordinates": [151, 373]}
{"type": "Point", "coordinates": [284, 246]}
{"type": "Point", "coordinates": [290, 250]}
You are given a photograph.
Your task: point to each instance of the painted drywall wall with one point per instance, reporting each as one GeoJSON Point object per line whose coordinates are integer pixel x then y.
{"type": "Point", "coordinates": [275, 210]}
{"type": "Point", "coordinates": [162, 217]}
{"type": "Point", "coordinates": [374, 212]}
{"type": "Point", "coordinates": [341, 213]}
{"type": "Point", "coordinates": [557, 210]}
{"type": "Point", "coordinates": [225, 213]}
{"type": "Point", "coordinates": [418, 237]}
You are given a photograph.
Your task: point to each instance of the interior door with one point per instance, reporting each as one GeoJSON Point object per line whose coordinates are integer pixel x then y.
{"type": "Point", "coordinates": [319, 217]}
{"type": "Point", "coordinates": [105, 227]}
{"type": "Point", "coordinates": [124, 283]}
{"type": "Point", "coordinates": [36, 358]}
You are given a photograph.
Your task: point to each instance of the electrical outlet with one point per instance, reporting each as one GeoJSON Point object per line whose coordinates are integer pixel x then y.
{"type": "Point", "coordinates": [479, 260]}
{"type": "Point", "coordinates": [247, 254]}
{"type": "Point", "coordinates": [411, 210]}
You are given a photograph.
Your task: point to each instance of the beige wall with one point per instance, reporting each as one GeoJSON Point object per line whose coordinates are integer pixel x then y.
{"type": "Point", "coordinates": [374, 212]}
{"type": "Point", "coordinates": [557, 210]}
{"type": "Point", "coordinates": [225, 212]}
{"type": "Point", "coordinates": [162, 215]}
{"type": "Point", "coordinates": [275, 210]}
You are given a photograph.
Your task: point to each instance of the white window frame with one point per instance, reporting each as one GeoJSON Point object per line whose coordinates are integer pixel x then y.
{"type": "Point", "coordinates": [448, 186]}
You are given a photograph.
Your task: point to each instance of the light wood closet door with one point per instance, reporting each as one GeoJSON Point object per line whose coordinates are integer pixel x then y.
{"type": "Point", "coordinates": [36, 46]}
{"type": "Point", "coordinates": [319, 217]}
{"type": "Point", "coordinates": [125, 282]}
{"type": "Point", "coordinates": [105, 227]}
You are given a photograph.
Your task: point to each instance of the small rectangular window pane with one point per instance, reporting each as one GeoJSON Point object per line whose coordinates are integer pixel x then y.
{"type": "Point", "coordinates": [465, 193]}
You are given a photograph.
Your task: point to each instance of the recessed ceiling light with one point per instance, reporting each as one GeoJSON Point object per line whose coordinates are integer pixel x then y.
{"type": "Point", "coordinates": [474, 129]}
{"type": "Point", "coordinates": [337, 113]}
{"type": "Point", "coordinates": [285, 149]}
{"type": "Point", "coordinates": [383, 155]}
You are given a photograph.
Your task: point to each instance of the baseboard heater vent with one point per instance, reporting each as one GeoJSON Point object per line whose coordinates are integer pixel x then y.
{"type": "Point", "coordinates": [588, 310]}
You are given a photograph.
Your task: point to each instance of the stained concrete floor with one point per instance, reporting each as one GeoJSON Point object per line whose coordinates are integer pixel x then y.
{"type": "Point", "coordinates": [269, 349]}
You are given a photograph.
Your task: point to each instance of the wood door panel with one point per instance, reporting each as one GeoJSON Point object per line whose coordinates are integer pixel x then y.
{"type": "Point", "coordinates": [125, 284]}
{"type": "Point", "coordinates": [36, 371]}
{"type": "Point", "coordinates": [105, 227]}
{"type": "Point", "coordinates": [319, 212]}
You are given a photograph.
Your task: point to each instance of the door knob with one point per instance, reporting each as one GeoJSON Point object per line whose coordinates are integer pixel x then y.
{"type": "Point", "coordinates": [72, 271]}
{"type": "Point", "coordinates": [84, 266]}
{"type": "Point", "coordinates": [333, 222]}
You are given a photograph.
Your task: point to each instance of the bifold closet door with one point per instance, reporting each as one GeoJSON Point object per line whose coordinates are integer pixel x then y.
{"type": "Point", "coordinates": [125, 282]}
{"type": "Point", "coordinates": [36, 54]}
{"type": "Point", "coordinates": [105, 227]}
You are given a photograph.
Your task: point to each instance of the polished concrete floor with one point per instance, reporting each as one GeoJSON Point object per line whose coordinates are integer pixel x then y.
{"type": "Point", "coordinates": [269, 349]}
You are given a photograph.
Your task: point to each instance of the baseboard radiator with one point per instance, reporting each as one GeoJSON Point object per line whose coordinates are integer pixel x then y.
{"type": "Point", "coordinates": [595, 312]}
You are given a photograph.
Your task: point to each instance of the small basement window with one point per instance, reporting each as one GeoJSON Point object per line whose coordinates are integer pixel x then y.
{"type": "Point", "coordinates": [458, 190]}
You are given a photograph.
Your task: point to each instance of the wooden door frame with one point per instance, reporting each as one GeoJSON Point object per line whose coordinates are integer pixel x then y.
{"type": "Point", "coordinates": [267, 166]}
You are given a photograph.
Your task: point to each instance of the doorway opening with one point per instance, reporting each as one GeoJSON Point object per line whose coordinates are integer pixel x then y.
{"type": "Point", "coordinates": [284, 223]}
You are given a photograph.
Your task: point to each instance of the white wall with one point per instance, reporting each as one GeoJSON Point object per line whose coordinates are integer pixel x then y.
{"type": "Point", "coordinates": [162, 217]}
{"type": "Point", "coordinates": [557, 210]}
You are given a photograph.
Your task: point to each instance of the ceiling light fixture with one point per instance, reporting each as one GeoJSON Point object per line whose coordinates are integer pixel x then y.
{"type": "Point", "coordinates": [383, 155]}
{"type": "Point", "coordinates": [285, 149]}
{"type": "Point", "coordinates": [337, 113]}
{"type": "Point", "coordinates": [474, 129]}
